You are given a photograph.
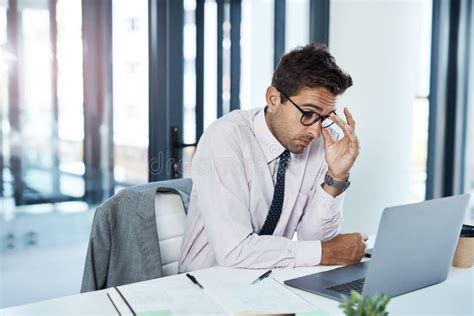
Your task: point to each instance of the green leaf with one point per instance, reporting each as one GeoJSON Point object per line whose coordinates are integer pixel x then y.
{"type": "Point", "coordinates": [360, 305]}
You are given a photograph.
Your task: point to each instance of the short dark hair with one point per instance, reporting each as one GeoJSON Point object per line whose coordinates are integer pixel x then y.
{"type": "Point", "coordinates": [309, 66]}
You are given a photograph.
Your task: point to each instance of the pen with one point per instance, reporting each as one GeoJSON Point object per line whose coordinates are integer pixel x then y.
{"type": "Point", "coordinates": [263, 276]}
{"type": "Point", "coordinates": [193, 279]}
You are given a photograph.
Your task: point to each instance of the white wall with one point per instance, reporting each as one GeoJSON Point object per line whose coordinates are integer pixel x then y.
{"type": "Point", "coordinates": [378, 43]}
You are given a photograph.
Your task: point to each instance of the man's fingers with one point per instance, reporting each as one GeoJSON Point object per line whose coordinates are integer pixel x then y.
{"type": "Point", "coordinates": [348, 131]}
{"type": "Point", "coordinates": [336, 119]}
{"type": "Point", "coordinates": [327, 137]}
{"type": "Point", "coordinates": [349, 118]}
{"type": "Point", "coordinates": [346, 128]}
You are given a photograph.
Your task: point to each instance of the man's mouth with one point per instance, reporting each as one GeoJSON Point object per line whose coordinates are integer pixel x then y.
{"type": "Point", "coordinates": [305, 142]}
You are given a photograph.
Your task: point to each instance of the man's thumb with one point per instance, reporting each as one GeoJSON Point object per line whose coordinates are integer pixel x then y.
{"type": "Point", "coordinates": [327, 137]}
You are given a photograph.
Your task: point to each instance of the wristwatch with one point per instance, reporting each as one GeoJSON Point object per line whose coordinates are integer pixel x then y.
{"type": "Point", "coordinates": [341, 185]}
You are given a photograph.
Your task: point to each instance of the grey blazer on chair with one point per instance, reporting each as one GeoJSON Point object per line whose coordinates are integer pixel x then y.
{"type": "Point", "coordinates": [123, 247]}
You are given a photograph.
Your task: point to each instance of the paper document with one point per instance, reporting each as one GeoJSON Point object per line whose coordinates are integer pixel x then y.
{"type": "Point", "coordinates": [267, 296]}
{"type": "Point", "coordinates": [175, 294]}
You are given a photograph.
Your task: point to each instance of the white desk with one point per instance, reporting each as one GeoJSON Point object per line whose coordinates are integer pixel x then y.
{"type": "Point", "coordinates": [452, 297]}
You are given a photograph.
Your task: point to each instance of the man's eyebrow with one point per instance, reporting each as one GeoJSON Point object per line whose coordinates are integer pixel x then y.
{"type": "Point", "coordinates": [314, 106]}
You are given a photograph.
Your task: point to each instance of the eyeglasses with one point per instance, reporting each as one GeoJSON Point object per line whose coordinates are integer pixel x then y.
{"type": "Point", "coordinates": [309, 118]}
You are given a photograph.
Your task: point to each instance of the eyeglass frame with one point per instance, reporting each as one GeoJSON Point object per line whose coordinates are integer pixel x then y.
{"type": "Point", "coordinates": [303, 112]}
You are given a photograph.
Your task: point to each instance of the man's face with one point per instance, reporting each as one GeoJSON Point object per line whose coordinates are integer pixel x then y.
{"type": "Point", "coordinates": [284, 119]}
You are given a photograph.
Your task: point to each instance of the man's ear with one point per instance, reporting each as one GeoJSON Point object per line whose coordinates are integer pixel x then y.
{"type": "Point", "coordinates": [272, 97]}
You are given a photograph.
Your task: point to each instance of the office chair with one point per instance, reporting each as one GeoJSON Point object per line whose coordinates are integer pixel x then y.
{"type": "Point", "coordinates": [170, 221]}
{"type": "Point", "coordinates": [136, 235]}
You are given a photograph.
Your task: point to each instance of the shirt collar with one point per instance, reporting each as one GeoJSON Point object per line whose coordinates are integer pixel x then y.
{"type": "Point", "coordinates": [271, 147]}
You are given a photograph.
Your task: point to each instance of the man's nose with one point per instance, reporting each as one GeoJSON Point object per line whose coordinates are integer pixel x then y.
{"type": "Point", "coordinates": [315, 129]}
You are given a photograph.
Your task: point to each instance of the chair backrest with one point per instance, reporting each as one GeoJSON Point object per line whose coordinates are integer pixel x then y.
{"type": "Point", "coordinates": [170, 221]}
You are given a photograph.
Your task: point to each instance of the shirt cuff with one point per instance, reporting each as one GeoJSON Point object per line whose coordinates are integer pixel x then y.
{"type": "Point", "coordinates": [308, 253]}
{"type": "Point", "coordinates": [327, 204]}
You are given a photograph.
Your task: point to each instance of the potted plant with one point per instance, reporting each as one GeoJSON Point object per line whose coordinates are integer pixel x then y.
{"type": "Point", "coordinates": [358, 305]}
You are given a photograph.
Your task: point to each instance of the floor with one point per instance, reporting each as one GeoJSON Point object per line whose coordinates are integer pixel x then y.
{"type": "Point", "coordinates": [39, 274]}
{"type": "Point", "coordinates": [42, 251]}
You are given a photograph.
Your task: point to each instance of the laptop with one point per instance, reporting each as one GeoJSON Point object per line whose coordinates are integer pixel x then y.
{"type": "Point", "coordinates": [414, 248]}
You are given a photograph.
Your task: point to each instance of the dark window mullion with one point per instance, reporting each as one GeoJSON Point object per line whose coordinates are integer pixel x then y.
{"type": "Point", "coordinates": [452, 98]}
{"type": "Point", "coordinates": [97, 78]}
{"type": "Point", "coordinates": [159, 126]}
{"type": "Point", "coordinates": [319, 21]}
{"type": "Point", "coordinates": [235, 19]}
{"type": "Point", "coordinates": [279, 31]}
{"type": "Point", "coordinates": [175, 62]}
{"type": "Point", "coordinates": [175, 73]}
{"type": "Point", "coordinates": [199, 68]}
{"type": "Point", "coordinates": [166, 63]}
{"type": "Point", "coordinates": [220, 36]}
{"type": "Point", "coordinates": [448, 102]}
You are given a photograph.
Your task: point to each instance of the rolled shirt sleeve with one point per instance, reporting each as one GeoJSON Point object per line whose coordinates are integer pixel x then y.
{"type": "Point", "coordinates": [323, 215]}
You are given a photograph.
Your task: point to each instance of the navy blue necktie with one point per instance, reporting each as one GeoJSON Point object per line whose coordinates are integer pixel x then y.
{"type": "Point", "coordinates": [278, 196]}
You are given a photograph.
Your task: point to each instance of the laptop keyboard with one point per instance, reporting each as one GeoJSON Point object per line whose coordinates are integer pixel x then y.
{"type": "Point", "coordinates": [346, 288]}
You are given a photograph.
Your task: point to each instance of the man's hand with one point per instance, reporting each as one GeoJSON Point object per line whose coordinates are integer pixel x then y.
{"type": "Point", "coordinates": [341, 154]}
{"type": "Point", "coordinates": [343, 249]}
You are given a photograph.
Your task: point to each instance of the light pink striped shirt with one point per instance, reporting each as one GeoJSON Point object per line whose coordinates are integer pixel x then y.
{"type": "Point", "coordinates": [234, 174]}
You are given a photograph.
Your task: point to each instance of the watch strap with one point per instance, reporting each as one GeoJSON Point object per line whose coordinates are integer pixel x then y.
{"type": "Point", "coordinates": [341, 185]}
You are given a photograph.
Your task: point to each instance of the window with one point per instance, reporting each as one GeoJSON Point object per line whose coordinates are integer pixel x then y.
{"type": "Point", "coordinates": [189, 82]}
{"type": "Point", "coordinates": [420, 110]}
{"type": "Point", "coordinates": [70, 96]}
{"type": "Point", "coordinates": [257, 52]}
{"type": "Point", "coordinates": [297, 23]}
{"type": "Point", "coordinates": [4, 123]}
{"type": "Point", "coordinates": [130, 91]}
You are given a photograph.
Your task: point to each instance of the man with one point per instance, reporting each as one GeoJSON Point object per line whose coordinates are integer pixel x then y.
{"type": "Point", "coordinates": [261, 175]}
